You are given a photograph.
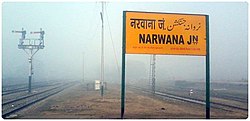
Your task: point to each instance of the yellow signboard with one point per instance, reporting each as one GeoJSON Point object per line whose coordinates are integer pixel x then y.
{"type": "Point", "coordinates": [164, 33]}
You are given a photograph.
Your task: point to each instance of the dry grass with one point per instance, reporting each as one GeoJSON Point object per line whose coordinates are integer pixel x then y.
{"type": "Point", "coordinates": [76, 102]}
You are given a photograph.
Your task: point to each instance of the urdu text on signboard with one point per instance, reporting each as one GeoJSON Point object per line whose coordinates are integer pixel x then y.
{"type": "Point", "coordinates": [165, 33]}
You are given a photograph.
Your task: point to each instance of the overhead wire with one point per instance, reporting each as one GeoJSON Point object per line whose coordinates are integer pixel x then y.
{"type": "Point", "coordinates": [114, 50]}
{"type": "Point", "coordinates": [93, 28]}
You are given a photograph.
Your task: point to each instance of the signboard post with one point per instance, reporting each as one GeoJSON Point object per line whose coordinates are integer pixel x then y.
{"type": "Point", "coordinates": [207, 71]}
{"type": "Point", "coordinates": [123, 65]}
{"type": "Point", "coordinates": [168, 34]}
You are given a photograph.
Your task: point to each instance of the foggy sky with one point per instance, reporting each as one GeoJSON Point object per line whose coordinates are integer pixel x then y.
{"type": "Point", "coordinates": [72, 29]}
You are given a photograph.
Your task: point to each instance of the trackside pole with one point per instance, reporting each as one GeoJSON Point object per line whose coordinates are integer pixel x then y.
{"type": "Point", "coordinates": [30, 73]}
{"type": "Point", "coordinates": [207, 71]}
{"type": "Point", "coordinates": [123, 66]}
{"type": "Point", "coordinates": [28, 45]}
{"type": "Point", "coordinates": [102, 52]}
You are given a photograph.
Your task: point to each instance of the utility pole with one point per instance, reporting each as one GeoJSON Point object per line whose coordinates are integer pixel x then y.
{"type": "Point", "coordinates": [82, 67]}
{"type": "Point", "coordinates": [152, 73]}
{"type": "Point", "coordinates": [102, 53]}
{"type": "Point", "coordinates": [30, 46]}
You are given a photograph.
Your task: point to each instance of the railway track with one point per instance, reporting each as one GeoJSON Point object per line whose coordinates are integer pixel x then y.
{"type": "Point", "coordinates": [23, 89]}
{"type": "Point", "coordinates": [190, 100]}
{"type": "Point", "coordinates": [230, 97]}
{"type": "Point", "coordinates": [213, 93]}
{"type": "Point", "coordinates": [12, 106]}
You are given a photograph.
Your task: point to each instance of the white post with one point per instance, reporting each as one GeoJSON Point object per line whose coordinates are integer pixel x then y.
{"type": "Point", "coordinates": [30, 73]}
{"type": "Point", "coordinates": [102, 53]}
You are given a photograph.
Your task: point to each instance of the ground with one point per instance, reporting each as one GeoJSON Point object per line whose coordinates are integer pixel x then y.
{"type": "Point", "coordinates": [78, 103]}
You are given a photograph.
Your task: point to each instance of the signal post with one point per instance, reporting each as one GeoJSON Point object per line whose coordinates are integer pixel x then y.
{"type": "Point", "coordinates": [30, 46]}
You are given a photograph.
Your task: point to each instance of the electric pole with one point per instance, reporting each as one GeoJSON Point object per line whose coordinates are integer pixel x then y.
{"type": "Point", "coordinates": [152, 73]}
{"type": "Point", "coordinates": [102, 51]}
{"type": "Point", "coordinates": [82, 67]}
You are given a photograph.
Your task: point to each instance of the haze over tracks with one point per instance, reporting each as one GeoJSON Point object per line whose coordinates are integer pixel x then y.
{"type": "Point", "coordinates": [77, 102]}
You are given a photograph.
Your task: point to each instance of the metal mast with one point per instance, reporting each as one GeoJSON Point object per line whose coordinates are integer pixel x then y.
{"type": "Point", "coordinates": [152, 73]}
{"type": "Point", "coordinates": [102, 53]}
{"type": "Point", "coordinates": [82, 67]}
{"type": "Point", "coordinates": [30, 46]}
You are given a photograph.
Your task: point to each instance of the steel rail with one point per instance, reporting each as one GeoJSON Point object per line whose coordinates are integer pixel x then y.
{"type": "Point", "coordinates": [190, 100]}
{"type": "Point", "coordinates": [8, 113]}
{"type": "Point", "coordinates": [27, 96]}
